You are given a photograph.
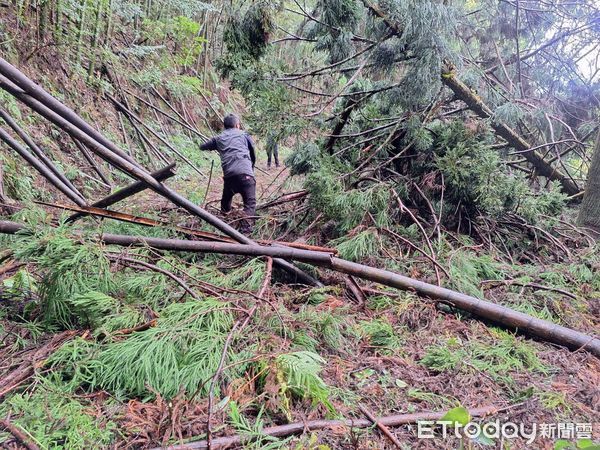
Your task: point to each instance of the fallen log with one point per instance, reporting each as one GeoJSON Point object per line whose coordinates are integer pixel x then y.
{"type": "Point", "coordinates": [27, 90]}
{"type": "Point", "coordinates": [315, 425]}
{"type": "Point", "coordinates": [128, 191]}
{"type": "Point", "coordinates": [483, 309]}
{"type": "Point", "coordinates": [41, 168]}
{"type": "Point", "coordinates": [37, 150]}
{"type": "Point", "coordinates": [124, 217]}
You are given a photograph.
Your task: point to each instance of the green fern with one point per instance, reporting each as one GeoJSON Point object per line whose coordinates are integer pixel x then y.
{"type": "Point", "coordinates": [381, 334]}
{"type": "Point", "coordinates": [298, 374]}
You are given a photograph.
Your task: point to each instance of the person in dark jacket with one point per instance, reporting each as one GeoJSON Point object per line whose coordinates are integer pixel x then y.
{"type": "Point", "coordinates": [238, 157]}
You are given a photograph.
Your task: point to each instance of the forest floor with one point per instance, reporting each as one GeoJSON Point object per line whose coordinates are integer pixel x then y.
{"type": "Point", "coordinates": [394, 353]}
{"type": "Point", "coordinates": [96, 352]}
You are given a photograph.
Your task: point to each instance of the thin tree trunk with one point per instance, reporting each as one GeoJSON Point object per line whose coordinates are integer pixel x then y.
{"type": "Point", "coordinates": [80, 33]}
{"type": "Point", "coordinates": [482, 309]}
{"type": "Point", "coordinates": [58, 22]}
{"type": "Point", "coordinates": [476, 104]}
{"type": "Point", "coordinates": [340, 124]}
{"type": "Point", "coordinates": [2, 196]}
{"type": "Point", "coordinates": [95, 38]}
{"type": "Point", "coordinates": [589, 214]}
{"type": "Point", "coordinates": [44, 7]}
{"type": "Point", "coordinates": [109, 23]}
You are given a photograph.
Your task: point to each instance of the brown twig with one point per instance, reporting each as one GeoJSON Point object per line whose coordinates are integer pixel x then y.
{"type": "Point", "coordinates": [403, 208]}
{"type": "Point", "coordinates": [356, 290]}
{"type": "Point", "coordinates": [141, 327]}
{"type": "Point", "coordinates": [18, 434]}
{"type": "Point", "coordinates": [27, 367]}
{"type": "Point", "coordinates": [212, 163]}
{"type": "Point", "coordinates": [534, 286]}
{"type": "Point", "coordinates": [385, 430]}
{"type": "Point", "coordinates": [11, 265]}
{"type": "Point", "coordinates": [420, 250]}
{"type": "Point", "coordinates": [314, 425]}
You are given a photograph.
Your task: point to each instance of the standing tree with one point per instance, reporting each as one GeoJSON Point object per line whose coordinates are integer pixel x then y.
{"type": "Point", "coordinates": [589, 215]}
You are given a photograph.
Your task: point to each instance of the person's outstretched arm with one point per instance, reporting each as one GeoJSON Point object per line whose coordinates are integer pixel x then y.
{"type": "Point", "coordinates": [251, 149]}
{"type": "Point", "coordinates": [209, 145]}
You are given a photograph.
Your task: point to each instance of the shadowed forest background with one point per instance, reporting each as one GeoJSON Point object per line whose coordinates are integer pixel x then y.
{"type": "Point", "coordinates": [456, 143]}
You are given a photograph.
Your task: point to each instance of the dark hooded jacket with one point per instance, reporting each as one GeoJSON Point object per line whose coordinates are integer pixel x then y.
{"type": "Point", "coordinates": [236, 150]}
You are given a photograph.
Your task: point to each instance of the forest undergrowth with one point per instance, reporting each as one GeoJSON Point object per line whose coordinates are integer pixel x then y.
{"type": "Point", "coordinates": [130, 347]}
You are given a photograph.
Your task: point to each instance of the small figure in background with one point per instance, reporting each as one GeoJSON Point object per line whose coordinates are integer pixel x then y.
{"type": "Point", "coordinates": [272, 150]}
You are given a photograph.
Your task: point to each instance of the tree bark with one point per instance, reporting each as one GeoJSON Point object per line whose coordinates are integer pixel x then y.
{"type": "Point", "coordinates": [349, 106]}
{"type": "Point", "coordinates": [589, 214]}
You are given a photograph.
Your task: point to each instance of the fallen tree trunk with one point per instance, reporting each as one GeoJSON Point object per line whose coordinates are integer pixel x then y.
{"type": "Point", "coordinates": [37, 150]}
{"type": "Point", "coordinates": [128, 191]}
{"type": "Point", "coordinates": [462, 91]}
{"type": "Point", "coordinates": [315, 425]}
{"type": "Point", "coordinates": [499, 314]}
{"type": "Point", "coordinates": [475, 104]}
{"type": "Point", "coordinates": [42, 168]}
{"type": "Point", "coordinates": [37, 92]}
{"type": "Point", "coordinates": [124, 217]}
{"type": "Point", "coordinates": [46, 105]}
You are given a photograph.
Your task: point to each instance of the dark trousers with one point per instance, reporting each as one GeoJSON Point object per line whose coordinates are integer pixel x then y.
{"type": "Point", "coordinates": [245, 185]}
{"type": "Point", "coordinates": [274, 151]}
